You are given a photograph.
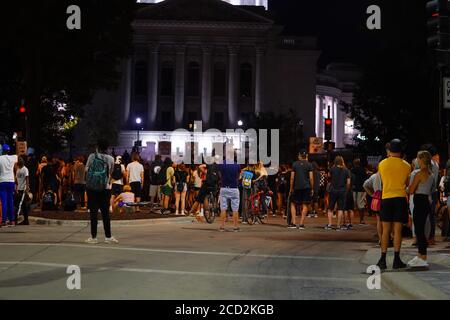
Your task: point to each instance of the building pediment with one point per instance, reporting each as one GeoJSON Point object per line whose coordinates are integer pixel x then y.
{"type": "Point", "coordinates": [199, 11]}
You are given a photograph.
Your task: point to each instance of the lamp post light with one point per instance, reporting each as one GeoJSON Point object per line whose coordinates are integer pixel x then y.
{"type": "Point", "coordinates": [240, 123]}
{"type": "Point", "coordinates": [138, 123]}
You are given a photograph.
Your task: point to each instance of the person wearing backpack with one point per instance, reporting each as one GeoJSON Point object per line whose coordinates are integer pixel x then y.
{"type": "Point", "coordinates": [98, 174]}
{"type": "Point", "coordinates": [246, 177]}
{"type": "Point", "coordinates": [155, 188]}
{"type": "Point", "coordinates": [117, 176]}
{"type": "Point", "coordinates": [181, 178]}
{"type": "Point", "coordinates": [135, 177]}
{"type": "Point", "coordinates": [49, 200]}
{"type": "Point", "coordinates": [167, 186]}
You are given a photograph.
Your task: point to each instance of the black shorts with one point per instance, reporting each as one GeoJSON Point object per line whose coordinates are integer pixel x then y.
{"type": "Point", "coordinates": [136, 188]}
{"type": "Point", "coordinates": [302, 196]}
{"type": "Point", "coordinates": [337, 197]}
{"type": "Point", "coordinates": [349, 202]}
{"type": "Point", "coordinates": [394, 210]}
{"type": "Point", "coordinates": [203, 193]}
{"type": "Point", "coordinates": [116, 189]}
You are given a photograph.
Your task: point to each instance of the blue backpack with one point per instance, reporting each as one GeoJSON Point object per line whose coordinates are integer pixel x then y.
{"type": "Point", "coordinates": [247, 179]}
{"type": "Point", "coordinates": [97, 176]}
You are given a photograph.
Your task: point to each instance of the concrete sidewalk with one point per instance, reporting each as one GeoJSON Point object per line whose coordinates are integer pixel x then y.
{"type": "Point", "coordinates": [433, 284]}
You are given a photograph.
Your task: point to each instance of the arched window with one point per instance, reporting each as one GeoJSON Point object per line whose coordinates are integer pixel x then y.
{"type": "Point", "coordinates": [167, 79]}
{"type": "Point", "coordinates": [140, 78]}
{"type": "Point", "coordinates": [246, 80]}
{"type": "Point", "coordinates": [193, 80]}
{"type": "Point", "coordinates": [220, 80]}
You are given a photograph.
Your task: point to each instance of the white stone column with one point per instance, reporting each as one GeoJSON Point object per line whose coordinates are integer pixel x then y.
{"type": "Point", "coordinates": [335, 121]}
{"type": "Point", "coordinates": [127, 89]}
{"type": "Point", "coordinates": [320, 119]}
{"type": "Point", "coordinates": [179, 85]}
{"type": "Point", "coordinates": [206, 85]}
{"type": "Point", "coordinates": [152, 92]}
{"type": "Point", "coordinates": [232, 84]}
{"type": "Point", "coordinates": [259, 76]}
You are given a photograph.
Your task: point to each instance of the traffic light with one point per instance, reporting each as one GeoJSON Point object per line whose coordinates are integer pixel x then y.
{"type": "Point", "coordinates": [328, 128]}
{"type": "Point", "coordinates": [438, 26]}
{"type": "Point", "coordinates": [22, 109]}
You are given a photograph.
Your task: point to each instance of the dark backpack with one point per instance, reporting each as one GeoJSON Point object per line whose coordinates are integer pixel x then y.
{"type": "Point", "coordinates": [212, 176]}
{"type": "Point", "coordinates": [70, 204]}
{"type": "Point", "coordinates": [117, 172]}
{"type": "Point", "coordinates": [48, 201]}
{"type": "Point", "coordinates": [161, 178]}
{"type": "Point", "coordinates": [154, 172]}
{"type": "Point", "coordinates": [97, 175]}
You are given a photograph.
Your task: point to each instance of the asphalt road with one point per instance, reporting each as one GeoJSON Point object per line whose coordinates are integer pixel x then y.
{"type": "Point", "coordinates": [188, 261]}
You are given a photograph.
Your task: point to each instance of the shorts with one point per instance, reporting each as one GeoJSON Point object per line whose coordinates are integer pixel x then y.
{"type": "Point", "coordinates": [302, 196]}
{"type": "Point", "coordinates": [360, 199]}
{"type": "Point", "coordinates": [166, 190]}
{"type": "Point", "coordinates": [154, 190]}
{"type": "Point", "coordinates": [136, 188]}
{"type": "Point", "coordinates": [337, 197]}
{"type": "Point", "coordinates": [349, 202]}
{"type": "Point", "coordinates": [116, 189]}
{"type": "Point", "coordinates": [394, 210]}
{"type": "Point", "coordinates": [229, 194]}
{"type": "Point", "coordinates": [203, 192]}
{"type": "Point", "coordinates": [184, 188]}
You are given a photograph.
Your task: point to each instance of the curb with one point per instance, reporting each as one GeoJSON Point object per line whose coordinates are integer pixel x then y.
{"type": "Point", "coordinates": [404, 283]}
{"type": "Point", "coordinates": [85, 223]}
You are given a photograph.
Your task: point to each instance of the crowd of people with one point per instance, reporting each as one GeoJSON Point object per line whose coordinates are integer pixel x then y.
{"type": "Point", "coordinates": [398, 193]}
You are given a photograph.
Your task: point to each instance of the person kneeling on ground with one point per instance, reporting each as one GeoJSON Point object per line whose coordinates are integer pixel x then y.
{"type": "Point", "coordinates": [123, 199]}
{"type": "Point", "coordinates": [49, 200]}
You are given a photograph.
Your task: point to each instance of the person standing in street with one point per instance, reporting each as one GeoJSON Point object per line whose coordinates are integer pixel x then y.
{"type": "Point", "coordinates": [229, 191]}
{"type": "Point", "coordinates": [79, 181]}
{"type": "Point", "coordinates": [155, 189]}
{"type": "Point", "coordinates": [7, 185]}
{"type": "Point", "coordinates": [22, 190]}
{"type": "Point", "coordinates": [98, 175]}
{"type": "Point", "coordinates": [394, 173]}
{"type": "Point", "coordinates": [301, 188]}
{"type": "Point", "coordinates": [422, 186]}
{"type": "Point", "coordinates": [181, 177]}
{"type": "Point", "coordinates": [135, 177]}
{"type": "Point", "coordinates": [359, 194]}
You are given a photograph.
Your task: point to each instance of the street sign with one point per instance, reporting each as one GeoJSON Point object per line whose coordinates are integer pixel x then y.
{"type": "Point", "coordinates": [315, 145]}
{"type": "Point", "coordinates": [446, 93]}
{"type": "Point", "coordinates": [21, 148]}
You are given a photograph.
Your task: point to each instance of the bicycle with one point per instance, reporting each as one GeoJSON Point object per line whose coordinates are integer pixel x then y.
{"type": "Point", "coordinates": [256, 207]}
{"type": "Point", "coordinates": [211, 207]}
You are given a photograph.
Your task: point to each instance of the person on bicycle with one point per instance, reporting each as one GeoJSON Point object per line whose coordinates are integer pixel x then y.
{"type": "Point", "coordinates": [209, 185]}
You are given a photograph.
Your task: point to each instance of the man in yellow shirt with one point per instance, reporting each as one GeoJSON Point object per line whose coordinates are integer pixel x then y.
{"type": "Point", "coordinates": [394, 173]}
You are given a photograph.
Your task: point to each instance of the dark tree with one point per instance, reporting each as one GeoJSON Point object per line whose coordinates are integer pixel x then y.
{"type": "Point", "coordinates": [51, 67]}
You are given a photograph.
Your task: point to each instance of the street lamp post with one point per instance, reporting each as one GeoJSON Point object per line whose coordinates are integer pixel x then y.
{"type": "Point", "coordinates": [138, 123]}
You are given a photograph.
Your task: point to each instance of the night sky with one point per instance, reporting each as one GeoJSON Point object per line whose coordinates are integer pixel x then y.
{"type": "Point", "coordinates": [341, 25]}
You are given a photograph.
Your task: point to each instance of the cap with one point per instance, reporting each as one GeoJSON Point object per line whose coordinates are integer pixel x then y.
{"type": "Point", "coordinates": [5, 147]}
{"type": "Point", "coordinates": [303, 152]}
{"type": "Point", "coordinates": [396, 146]}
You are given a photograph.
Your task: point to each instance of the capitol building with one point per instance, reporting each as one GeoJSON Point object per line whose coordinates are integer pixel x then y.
{"type": "Point", "coordinates": [219, 62]}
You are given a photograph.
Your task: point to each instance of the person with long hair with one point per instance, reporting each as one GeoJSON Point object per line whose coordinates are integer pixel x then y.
{"type": "Point", "coordinates": [168, 186]}
{"type": "Point", "coordinates": [181, 179]}
{"type": "Point", "coordinates": [339, 186]}
{"type": "Point", "coordinates": [422, 186]}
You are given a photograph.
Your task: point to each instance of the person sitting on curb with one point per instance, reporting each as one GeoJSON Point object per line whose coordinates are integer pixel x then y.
{"type": "Point", "coordinates": [121, 201]}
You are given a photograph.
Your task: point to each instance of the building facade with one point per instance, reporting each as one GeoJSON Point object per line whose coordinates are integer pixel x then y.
{"type": "Point", "coordinates": [218, 62]}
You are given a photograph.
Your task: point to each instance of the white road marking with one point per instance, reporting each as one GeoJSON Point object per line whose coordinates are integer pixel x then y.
{"type": "Point", "coordinates": [213, 253]}
{"type": "Point", "coordinates": [184, 273]}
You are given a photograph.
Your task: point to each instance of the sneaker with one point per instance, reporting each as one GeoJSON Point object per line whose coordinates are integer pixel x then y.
{"type": "Point", "coordinates": [244, 222]}
{"type": "Point", "coordinates": [92, 241]}
{"type": "Point", "coordinates": [398, 264]}
{"type": "Point", "coordinates": [111, 240]}
{"type": "Point", "coordinates": [362, 223]}
{"type": "Point", "coordinates": [236, 229]}
{"type": "Point", "coordinates": [292, 226]}
{"type": "Point", "coordinates": [11, 224]}
{"type": "Point", "coordinates": [222, 230]}
{"type": "Point", "coordinates": [274, 215]}
{"type": "Point", "coordinates": [349, 227]}
{"type": "Point", "coordinates": [417, 262]}
{"type": "Point", "coordinates": [328, 227]}
{"type": "Point", "coordinates": [302, 227]}
{"type": "Point", "coordinates": [177, 213]}
{"type": "Point", "coordinates": [284, 216]}
{"type": "Point", "coordinates": [382, 264]}
{"type": "Point", "coordinates": [316, 215]}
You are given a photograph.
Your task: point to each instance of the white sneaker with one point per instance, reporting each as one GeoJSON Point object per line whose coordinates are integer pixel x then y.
{"type": "Point", "coordinates": [92, 241]}
{"type": "Point", "coordinates": [111, 240]}
{"type": "Point", "coordinates": [417, 262]}
{"type": "Point", "coordinates": [177, 213]}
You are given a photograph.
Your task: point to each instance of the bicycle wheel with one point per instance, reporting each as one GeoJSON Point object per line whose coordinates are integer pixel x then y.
{"type": "Point", "coordinates": [209, 209]}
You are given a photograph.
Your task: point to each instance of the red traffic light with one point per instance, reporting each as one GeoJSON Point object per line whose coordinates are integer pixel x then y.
{"type": "Point", "coordinates": [328, 122]}
{"type": "Point", "coordinates": [22, 109]}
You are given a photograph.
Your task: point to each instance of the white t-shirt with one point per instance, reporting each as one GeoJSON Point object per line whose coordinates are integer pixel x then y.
{"type": "Point", "coordinates": [7, 168]}
{"type": "Point", "coordinates": [120, 181]}
{"type": "Point", "coordinates": [21, 176]}
{"type": "Point", "coordinates": [134, 172]}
